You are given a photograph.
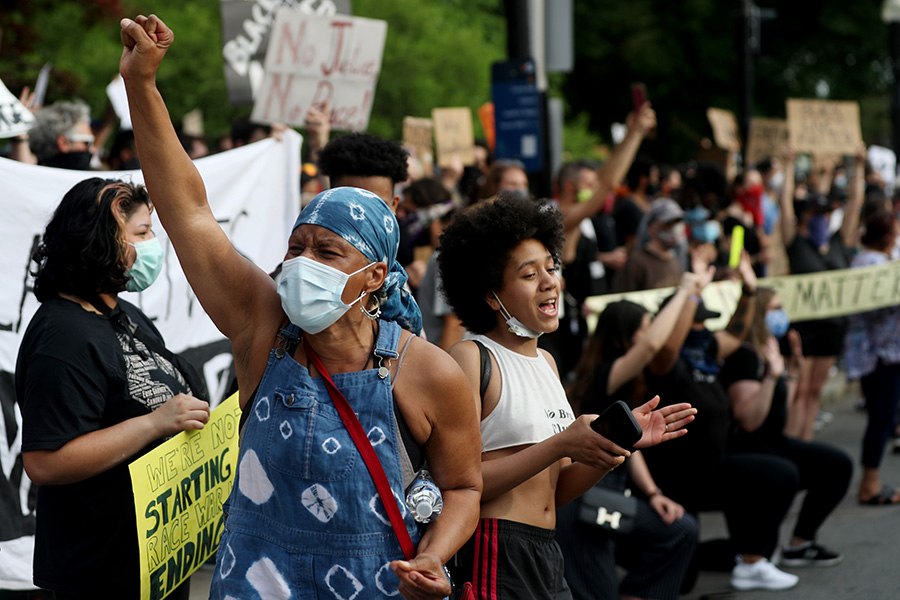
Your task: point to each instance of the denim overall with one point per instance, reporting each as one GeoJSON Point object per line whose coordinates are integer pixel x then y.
{"type": "Point", "coordinates": [304, 519]}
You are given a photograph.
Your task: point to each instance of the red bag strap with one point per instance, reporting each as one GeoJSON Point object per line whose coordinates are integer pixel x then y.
{"type": "Point", "coordinates": [354, 428]}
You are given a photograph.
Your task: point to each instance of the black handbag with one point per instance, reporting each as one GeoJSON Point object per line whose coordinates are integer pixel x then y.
{"type": "Point", "coordinates": [608, 509]}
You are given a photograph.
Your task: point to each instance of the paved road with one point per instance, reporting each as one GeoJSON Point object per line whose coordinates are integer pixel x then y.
{"type": "Point", "coordinates": [868, 537]}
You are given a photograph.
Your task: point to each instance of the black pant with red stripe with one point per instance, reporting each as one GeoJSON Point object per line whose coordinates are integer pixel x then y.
{"type": "Point", "coordinates": [506, 560]}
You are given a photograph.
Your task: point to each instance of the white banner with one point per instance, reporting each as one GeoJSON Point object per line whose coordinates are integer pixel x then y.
{"type": "Point", "coordinates": [254, 193]}
{"type": "Point", "coordinates": [312, 61]}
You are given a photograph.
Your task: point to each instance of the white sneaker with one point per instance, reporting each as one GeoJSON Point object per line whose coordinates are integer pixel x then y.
{"type": "Point", "coordinates": [761, 575]}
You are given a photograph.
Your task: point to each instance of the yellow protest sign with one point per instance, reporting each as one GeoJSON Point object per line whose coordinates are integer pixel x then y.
{"type": "Point", "coordinates": [824, 127]}
{"type": "Point", "coordinates": [725, 129]}
{"type": "Point", "coordinates": [179, 489]}
{"type": "Point", "coordinates": [804, 297]}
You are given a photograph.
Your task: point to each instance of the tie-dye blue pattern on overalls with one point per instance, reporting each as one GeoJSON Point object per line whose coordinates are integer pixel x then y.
{"type": "Point", "coordinates": [304, 519]}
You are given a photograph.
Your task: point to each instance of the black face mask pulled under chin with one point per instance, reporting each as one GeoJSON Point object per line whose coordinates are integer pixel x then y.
{"type": "Point", "coordinates": [74, 161]}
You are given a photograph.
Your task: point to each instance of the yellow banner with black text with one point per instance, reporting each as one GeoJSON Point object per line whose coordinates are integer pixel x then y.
{"type": "Point", "coordinates": [179, 489]}
{"type": "Point", "coordinates": [804, 297]}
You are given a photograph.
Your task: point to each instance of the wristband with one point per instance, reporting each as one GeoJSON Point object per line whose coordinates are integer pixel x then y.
{"type": "Point", "coordinates": [747, 292]}
{"type": "Point", "coordinates": [656, 492]}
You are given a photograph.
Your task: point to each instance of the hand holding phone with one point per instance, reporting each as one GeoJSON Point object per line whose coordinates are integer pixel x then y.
{"type": "Point", "coordinates": [618, 425]}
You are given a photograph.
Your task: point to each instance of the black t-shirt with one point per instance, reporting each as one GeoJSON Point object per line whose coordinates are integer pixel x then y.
{"type": "Point", "coordinates": [79, 372]}
{"type": "Point", "coordinates": [685, 466]}
{"type": "Point", "coordinates": [596, 401]}
{"type": "Point", "coordinates": [627, 215]}
{"type": "Point", "coordinates": [804, 257]}
{"type": "Point", "coordinates": [745, 364]}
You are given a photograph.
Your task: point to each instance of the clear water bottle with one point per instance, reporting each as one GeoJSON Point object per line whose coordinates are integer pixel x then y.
{"type": "Point", "coordinates": [423, 498]}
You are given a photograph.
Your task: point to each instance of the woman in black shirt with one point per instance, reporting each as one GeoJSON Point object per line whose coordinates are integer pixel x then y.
{"type": "Point", "coordinates": [658, 551]}
{"type": "Point", "coordinates": [754, 378]}
{"type": "Point", "coordinates": [97, 389]}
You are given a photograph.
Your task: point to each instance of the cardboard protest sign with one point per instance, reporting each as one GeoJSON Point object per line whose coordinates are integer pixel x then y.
{"type": "Point", "coordinates": [823, 127]}
{"type": "Point", "coordinates": [245, 37]}
{"type": "Point", "coordinates": [315, 60]}
{"type": "Point", "coordinates": [418, 134]}
{"type": "Point", "coordinates": [766, 138]}
{"type": "Point", "coordinates": [725, 129]}
{"type": "Point", "coordinates": [453, 135]}
{"type": "Point", "coordinates": [179, 489]}
{"type": "Point", "coordinates": [15, 119]}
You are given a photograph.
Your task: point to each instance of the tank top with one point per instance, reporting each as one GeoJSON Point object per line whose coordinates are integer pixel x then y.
{"type": "Point", "coordinates": [532, 406]}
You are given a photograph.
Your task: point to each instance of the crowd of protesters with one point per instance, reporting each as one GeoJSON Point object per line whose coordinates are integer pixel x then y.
{"type": "Point", "coordinates": [480, 268]}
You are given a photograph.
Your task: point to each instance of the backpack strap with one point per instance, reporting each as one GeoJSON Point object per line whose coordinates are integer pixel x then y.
{"type": "Point", "coordinates": [485, 367]}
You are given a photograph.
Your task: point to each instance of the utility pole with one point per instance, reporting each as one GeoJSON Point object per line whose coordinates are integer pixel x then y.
{"type": "Point", "coordinates": [750, 18]}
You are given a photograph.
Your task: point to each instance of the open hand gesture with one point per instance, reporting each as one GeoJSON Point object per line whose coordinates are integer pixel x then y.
{"type": "Point", "coordinates": [664, 424]}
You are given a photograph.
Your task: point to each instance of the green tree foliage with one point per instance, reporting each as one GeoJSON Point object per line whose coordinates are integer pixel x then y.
{"type": "Point", "coordinates": [687, 55]}
{"type": "Point", "coordinates": [438, 53]}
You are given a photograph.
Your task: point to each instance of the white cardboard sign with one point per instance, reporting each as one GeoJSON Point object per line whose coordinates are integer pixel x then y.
{"type": "Point", "coordinates": [312, 60]}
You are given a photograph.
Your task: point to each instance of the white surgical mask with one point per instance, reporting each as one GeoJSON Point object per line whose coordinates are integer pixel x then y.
{"type": "Point", "coordinates": [147, 265]}
{"type": "Point", "coordinates": [311, 293]}
{"type": "Point", "coordinates": [516, 326]}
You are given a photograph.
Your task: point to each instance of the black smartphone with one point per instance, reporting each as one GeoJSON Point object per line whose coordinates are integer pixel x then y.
{"type": "Point", "coordinates": [618, 425]}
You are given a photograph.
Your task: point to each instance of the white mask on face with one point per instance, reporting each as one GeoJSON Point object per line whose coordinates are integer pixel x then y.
{"type": "Point", "coordinates": [516, 326]}
{"type": "Point", "coordinates": [311, 293]}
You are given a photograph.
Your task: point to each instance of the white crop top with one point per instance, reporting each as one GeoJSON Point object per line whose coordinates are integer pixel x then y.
{"type": "Point", "coordinates": [532, 406]}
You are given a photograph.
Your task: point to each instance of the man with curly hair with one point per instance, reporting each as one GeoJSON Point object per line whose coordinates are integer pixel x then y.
{"type": "Point", "coordinates": [366, 161]}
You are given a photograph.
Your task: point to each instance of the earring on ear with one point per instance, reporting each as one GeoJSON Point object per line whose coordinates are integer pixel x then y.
{"type": "Point", "coordinates": [371, 313]}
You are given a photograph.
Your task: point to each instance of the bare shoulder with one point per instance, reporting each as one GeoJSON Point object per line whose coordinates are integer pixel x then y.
{"type": "Point", "coordinates": [429, 365]}
{"type": "Point", "coordinates": [550, 360]}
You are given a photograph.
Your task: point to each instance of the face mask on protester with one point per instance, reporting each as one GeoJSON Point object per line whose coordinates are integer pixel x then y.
{"type": "Point", "coordinates": [516, 326]}
{"type": "Point", "coordinates": [671, 237]}
{"type": "Point", "coordinates": [74, 161]}
{"type": "Point", "coordinates": [776, 182]}
{"type": "Point", "coordinates": [818, 230]}
{"type": "Point", "coordinates": [707, 232]}
{"type": "Point", "coordinates": [585, 195]}
{"type": "Point", "coordinates": [147, 265]}
{"type": "Point", "coordinates": [311, 293]}
{"type": "Point", "coordinates": [777, 322]}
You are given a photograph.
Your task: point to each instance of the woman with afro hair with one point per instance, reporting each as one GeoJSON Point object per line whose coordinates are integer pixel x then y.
{"type": "Point", "coordinates": [499, 265]}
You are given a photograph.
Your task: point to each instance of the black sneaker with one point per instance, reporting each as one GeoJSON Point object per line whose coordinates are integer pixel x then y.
{"type": "Point", "coordinates": [809, 554]}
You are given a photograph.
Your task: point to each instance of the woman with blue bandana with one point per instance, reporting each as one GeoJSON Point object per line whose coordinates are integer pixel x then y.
{"type": "Point", "coordinates": [304, 518]}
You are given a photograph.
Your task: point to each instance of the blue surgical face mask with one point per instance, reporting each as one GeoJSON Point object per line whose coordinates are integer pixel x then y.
{"type": "Point", "coordinates": [777, 322]}
{"type": "Point", "coordinates": [311, 293]}
{"type": "Point", "coordinates": [818, 230]}
{"type": "Point", "coordinates": [147, 265]}
{"type": "Point", "coordinates": [707, 232]}
{"type": "Point", "coordinates": [516, 326]}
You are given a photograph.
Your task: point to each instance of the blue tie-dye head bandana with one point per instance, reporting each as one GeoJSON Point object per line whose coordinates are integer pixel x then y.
{"type": "Point", "coordinates": [365, 221]}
